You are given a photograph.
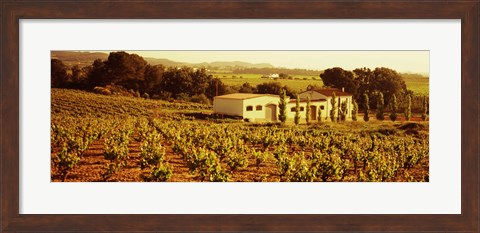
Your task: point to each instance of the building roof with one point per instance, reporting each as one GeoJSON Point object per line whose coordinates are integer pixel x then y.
{"type": "Point", "coordinates": [243, 96]}
{"type": "Point", "coordinates": [305, 100]}
{"type": "Point", "coordinates": [330, 91]}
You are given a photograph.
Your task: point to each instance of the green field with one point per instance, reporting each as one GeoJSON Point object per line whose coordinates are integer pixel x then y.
{"type": "Point", "coordinates": [418, 85]}
{"type": "Point", "coordinates": [296, 83]}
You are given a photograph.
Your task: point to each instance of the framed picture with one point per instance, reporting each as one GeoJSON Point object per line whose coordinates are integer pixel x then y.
{"type": "Point", "coordinates": [445, 34]}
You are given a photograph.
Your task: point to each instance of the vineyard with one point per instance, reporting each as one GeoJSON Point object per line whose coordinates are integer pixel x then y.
{"type": "Point", "coordinates": [109, 138]}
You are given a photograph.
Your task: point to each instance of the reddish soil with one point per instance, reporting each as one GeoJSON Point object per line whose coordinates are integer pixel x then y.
{"type": "Point", "coordinates": [92, 166]}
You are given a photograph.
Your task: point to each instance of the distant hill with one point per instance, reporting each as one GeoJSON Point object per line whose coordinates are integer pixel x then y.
{"type": "Point", "coordinates": [163, 61]}
{"type": "Point", "coordinates": [71, 58]}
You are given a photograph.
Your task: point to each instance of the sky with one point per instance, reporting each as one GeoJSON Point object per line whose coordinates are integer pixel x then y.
{"type": "Point", "coordinates": [401, 61]}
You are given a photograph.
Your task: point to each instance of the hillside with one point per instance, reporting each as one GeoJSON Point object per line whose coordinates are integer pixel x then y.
{"type": "Point", "coordinates": [77, 103]}
{"type": "Point", "coordinates": [71, 58]}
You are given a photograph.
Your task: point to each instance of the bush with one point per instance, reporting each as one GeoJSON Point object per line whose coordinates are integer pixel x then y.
{"type": "Point", "coordinates": [333, 111]}
{"type": "Point", "coordinates": [380, 104]}
{"type": "Point", "coordinates": [102, 91]}
{"type": "Point", "coordinates": [162, 172]}
{"type": "Point", "coordinates": [366, 107]}
{"type": "Point", "coordinates": [163, 95]}
{"type": "Point", "coordinates": [408, 109]}
{"type": "Point", "coordinates": [354, 110]}
{"type": "Point", "coordinates": [201, 99]}
{"type": "Point", "coordinates": [393, 115]}
{"type": "Point", "coordinates": [425, 109]}
{"type": "Point", "coordinates": [297, 111]}
{"type": "Point", "coordinates": [282, 106]}
{"type": "Point", "coordinates": [183, 96]}
{"type": "Point", "coordinates": [307, 112]}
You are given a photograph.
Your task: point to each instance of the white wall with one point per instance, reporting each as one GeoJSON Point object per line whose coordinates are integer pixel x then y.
{"type": "Point", "coordinates": [342, 98]}
{"type": "Point", "coordinates": [327, 104]}
{"type": "Point", "coordinates": [238, 107]}
{"type": "Point", "coordinates": [263, 101]}
{"type": "Point", "coordinates": [291, 114]}
{"type": "Point", "coordinates": [225, 106]}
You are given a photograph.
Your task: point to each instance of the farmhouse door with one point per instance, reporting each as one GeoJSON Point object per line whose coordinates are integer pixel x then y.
{"type": "Point", "coordinates": [271, 112]}
{"type": "Point", "coordinates": [313, 113]}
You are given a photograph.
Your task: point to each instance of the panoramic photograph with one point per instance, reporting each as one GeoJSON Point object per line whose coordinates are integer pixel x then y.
{"type": "Point", "coordinates": [239, 116]}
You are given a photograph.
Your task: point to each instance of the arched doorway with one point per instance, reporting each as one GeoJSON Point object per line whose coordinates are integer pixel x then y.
{"type": "Point", "coordinates": [271, 112]}
{"type": "Point", "coordinates": [313, 113]}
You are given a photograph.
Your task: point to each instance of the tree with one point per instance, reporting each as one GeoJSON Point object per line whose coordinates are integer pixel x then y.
{"type": "Point", "coordinates": [247, 88]}
{"type": "Point", "coordinates": [152, 78]}
{"type": "Point", "coordinates": [200, 81]}
{"type": "Point", "coordinates": [98, 74]}
{"type": "Point", "coordinates": [340, 78]}
{"type": "Point", "coordinates": [58, 73]}
{"type": "Point", "coordinates": [126, 70]}
{"type": "Point", "coordinates": [384, 80]}
{"type": "Point", "coordinates": [408, 109]}
{"type": "Point", "coordinates": [216, 86]}
{"type": "Point", "coordinates": [269, 88]}
{"type": "Point", "coordinates": [339, 110]}
{"type": "Point", "coordinates": [282, 106]}
{"type": "Point", "coordinates": [78, 78]}
{"type": "Point", "coordinates": [177, 81]}
{"type": "Point", "coordinates": [307, 111]}
{"type": "Point", "coordinates": [366, 107]}
{"type": "Point", "coordinates": [297, 111]}
{"type": "Point", "coordinates": [274, 88]}
{"type": "Point", "coordinates": [388, 82]}
{"type": "Point", "coordinates": [425, 109]}
{"type": "Point", "coordinates": [380, 104]}
{"type": "Point", "coordinates": [364, 77]}
{"type": "Point", "coordinates": [187, 81]}
{"type": "Point", "coordinates": [393, 115]}
{"type": "Point", "coordinates": [343, 107]}
{"type": "Point", "coordinates": [334, 107]}
{"type": "Point", "coordinates": [319, 114]}
{"type": "Point", "coordinates": [283, 75]}
{"type": "Point", "coordinates": [354, 110]}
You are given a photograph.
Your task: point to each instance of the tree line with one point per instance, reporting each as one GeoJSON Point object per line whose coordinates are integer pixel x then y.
{"type": "Point", "coordinates": [338, 113]}
{"type": "Point", "coordinates": [129, 74]}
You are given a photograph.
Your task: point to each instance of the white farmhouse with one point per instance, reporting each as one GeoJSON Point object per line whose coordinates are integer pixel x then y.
{"type": "Point", "coordinates": [254, 107]}
{"type": "Point", "coordinates": [264, 107]}
{"type": "Point", "coordinates": [271, 76]}
{"type": "Point", "coordinates": [321, 99]}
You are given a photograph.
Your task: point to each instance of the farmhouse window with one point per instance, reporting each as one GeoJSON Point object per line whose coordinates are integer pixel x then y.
{"type": "Point", "coordinates": [302, 109]}
{"type": "Point", "coordinates": [292, 109]}
{"type": "Point", "coordinates": [258, 108]}
{"type": "Point", "coordinates": [249, 108]}
{"type": "Point", "coordinates": [322, 107]}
